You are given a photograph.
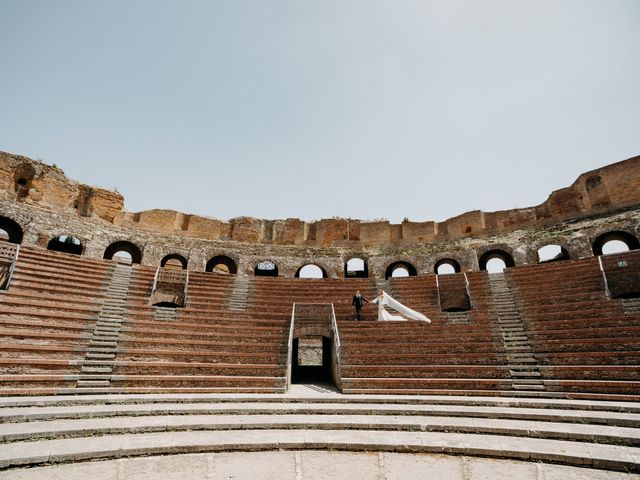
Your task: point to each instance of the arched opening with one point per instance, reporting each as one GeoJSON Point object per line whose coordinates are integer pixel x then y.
{"type": "Point", "coordinates": [614, 246]}
{"type": "Point", "coordinates": [356, 268]}
{"type": "Point", "coordinates": [495, 261]}
{"type": "Point", "coordinates": [22, 179]}
{"type": "Point", "coordinates": [174, 261]}
{"type": "Point", "coordinates": [597, 191]}
{"type": "Point", "coordinates": [400, 269]}
{"type": "Point", "coordinates": [552, 253]}
{"type": "Point", "coordinates": [615, 242]}
{"type": "Point", "coordinates": [312, 358]}
{"type": "Point", "coordinates": [221, 264]}
{"type": "Point", "coordinates": [12, 230]}
{"type": "Point", "coordinates": [311, 270]}
{"type": "Point", "coordinates": [495, 265]}
{"type": "Point", "coordinates": [446, 266]}
{"type": "Point", "coordinates": [65, 244]}
{"type": "Point", "coordinates": [123, 257]}
{"type": "Point", "coordinates": [266, 269]}
{"type": "Point", "coordinates": [123, 252]}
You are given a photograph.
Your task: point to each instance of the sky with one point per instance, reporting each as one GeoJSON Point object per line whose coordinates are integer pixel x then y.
{"type": "Point", "coordinates": [365, 109]}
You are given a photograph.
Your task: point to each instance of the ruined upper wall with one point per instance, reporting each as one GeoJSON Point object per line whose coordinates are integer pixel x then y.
{"type": "Point", "coordinates": [607, 189]}
{"type": "Point", "coordinates": [35, 183]}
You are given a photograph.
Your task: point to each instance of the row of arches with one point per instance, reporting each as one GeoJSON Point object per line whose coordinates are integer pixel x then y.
{"type": "Point", "coordinates": [492, 261]}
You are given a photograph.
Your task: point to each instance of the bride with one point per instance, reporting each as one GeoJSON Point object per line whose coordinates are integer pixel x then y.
{"type": "Point", "coordinates": [385, 299]}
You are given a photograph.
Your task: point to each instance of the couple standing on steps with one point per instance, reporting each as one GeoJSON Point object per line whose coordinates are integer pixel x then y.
{"type": "Point", "coordinates": [385, 299]}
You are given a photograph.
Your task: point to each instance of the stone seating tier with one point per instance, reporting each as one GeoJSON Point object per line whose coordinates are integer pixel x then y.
{"type": "Point", "coordinates": [584, 344]}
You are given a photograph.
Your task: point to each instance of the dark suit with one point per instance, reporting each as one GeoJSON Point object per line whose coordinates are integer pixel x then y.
{"type": "Point", "coordinates": [358, 301]}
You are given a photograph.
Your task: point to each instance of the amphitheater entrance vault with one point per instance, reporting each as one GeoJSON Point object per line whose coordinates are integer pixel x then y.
{"type": "Point", "coordinates": [314, 353]}
{"type": "Point", "coordinates": [312, 359]}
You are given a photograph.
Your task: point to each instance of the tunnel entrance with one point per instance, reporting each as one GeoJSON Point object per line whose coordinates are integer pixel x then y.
{"type": "Point", "coordinates": [314, 347]}
{"type": "Point", "coordinates": [312, 360]}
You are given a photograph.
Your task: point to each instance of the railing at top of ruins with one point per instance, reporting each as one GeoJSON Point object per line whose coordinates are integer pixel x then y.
{"type": "Point", "coordinates": [9, 253]}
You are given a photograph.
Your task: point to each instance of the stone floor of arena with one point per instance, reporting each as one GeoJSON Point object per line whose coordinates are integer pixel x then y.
{"type": "Point", "coordinates": [312, 465]}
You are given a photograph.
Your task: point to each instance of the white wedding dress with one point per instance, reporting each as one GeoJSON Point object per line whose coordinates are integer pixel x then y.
{"type": "Point", "coordinates": [386, 299]}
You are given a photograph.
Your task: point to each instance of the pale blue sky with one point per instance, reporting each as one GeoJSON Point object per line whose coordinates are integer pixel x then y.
{"type": "Point", "coordinates": [312, 109]}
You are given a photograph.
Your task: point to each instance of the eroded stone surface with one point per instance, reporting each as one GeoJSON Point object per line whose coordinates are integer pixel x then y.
{"type": "Point", "coordinates": [47, 204]}
{"type": "Point", "coordinates": [312, 465]}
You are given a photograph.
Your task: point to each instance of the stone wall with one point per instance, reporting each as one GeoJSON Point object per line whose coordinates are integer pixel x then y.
{"type": "Point", "coordinates": [600, 191]}
{"type": "Point", "coordinates": [40, 225]}
{"type": "Point", "coordinates": [46, 204]}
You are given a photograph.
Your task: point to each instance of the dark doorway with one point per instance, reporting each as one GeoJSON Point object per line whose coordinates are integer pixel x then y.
{"type": "Point", "coordinates": [221, 264]}
{"type": "Point", "coordinates": [174, 262]}
{"type": "Point", "coordinates": [266, 269]}
{"type": "Point", "coordinates": [65, 244]}
{"type": "Point", "coordinates": [312, 360]}
{"type": "Point", "coordinates": [12, 230]}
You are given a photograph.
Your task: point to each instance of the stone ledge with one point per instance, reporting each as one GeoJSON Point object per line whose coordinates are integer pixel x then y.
{"type": "Point", "coordinates": [118, 446]}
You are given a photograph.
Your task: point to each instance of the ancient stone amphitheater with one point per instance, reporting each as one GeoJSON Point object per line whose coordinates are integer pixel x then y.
{"type": "Point", "coordinates": [165, 345]}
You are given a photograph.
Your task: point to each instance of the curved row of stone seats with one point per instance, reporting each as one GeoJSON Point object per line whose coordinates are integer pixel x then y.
{"type": "Point", "coordinates": [590, 434]}
{"type": "Point", "coordinates": [46, 319]}
{"type": "Point", "coordinates": [208, 347]}
{"type": "Point", "coordinates": [209, 290]}
{"type": "Point", "coordinates": [275, 296]}
{"type": "Point", "coordinates": [414, 357]}
{"type": "Point", "coordinates": [421, 357]}
{"type": "Point", "coordinates": [199, 348]}
{"type": "Point", "coordinates": [582, 340]}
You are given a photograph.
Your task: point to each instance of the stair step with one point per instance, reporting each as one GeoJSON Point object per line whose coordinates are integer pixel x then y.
{"type": "Point", "coordinates": [94, 370]}
{"type": "Point", "coordinates": [521, 374]}
{"type": "Point", "coordinates": [528, 387]}
{"type": "Point", "coordinates": [100, 356]}
{"type": "Point", "coordinates": [93, 383]}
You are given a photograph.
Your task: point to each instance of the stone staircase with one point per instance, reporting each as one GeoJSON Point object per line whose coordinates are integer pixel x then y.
{"type": "Point", "coordinates": [97, 366]}
{"type": "Point", "coordinates": [165, 314]}
{"type": "Point", "coordinates": [631, 306]}
{"type": "Point", "coordinates": [457, 317]}
{"type": "Point", "coordinates": [590, 434]}
{"type": "Point", "coordinates": [523, 367]}
{"type": "Point", "coordinates": [239, 297]}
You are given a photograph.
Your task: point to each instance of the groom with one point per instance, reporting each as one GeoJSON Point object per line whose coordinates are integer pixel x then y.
{"type": "Point", "coordinates": [357, 302]}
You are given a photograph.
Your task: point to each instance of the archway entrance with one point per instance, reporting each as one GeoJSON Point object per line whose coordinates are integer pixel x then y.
{"type": "Point", "coordinates": [552, 253]}
{"type": "Point", "coordinates": [356, 268]}
{"type": "Point", "coordinates": [65, 244]}
{"type": "Point", "coordinates": [10, 230]}
{"type": "Point", "coordinates": [615, 242]}
{"type": "Point", "coordinates": [266, 269]}
{"type": "Point", "coordinates": [174, 261]}
{"type": "Point", "coordinates": [123, 252]}
{"type": "Point", "coordinates": [495, 261]}
{"type": "Point", "coordinates": [400, 269]}
{"type": "Point", "coordinates": [312, 360]}
{"type": "Point", "coordinates": [221, 264]}
{"type": "Point", "coordinates": [311, 270]}
{"type": "Point", "coordinates": [447, 266]}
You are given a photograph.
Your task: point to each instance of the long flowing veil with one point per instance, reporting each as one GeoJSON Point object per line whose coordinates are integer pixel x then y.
{"type": "Point", "coordinates": [405, 311]}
